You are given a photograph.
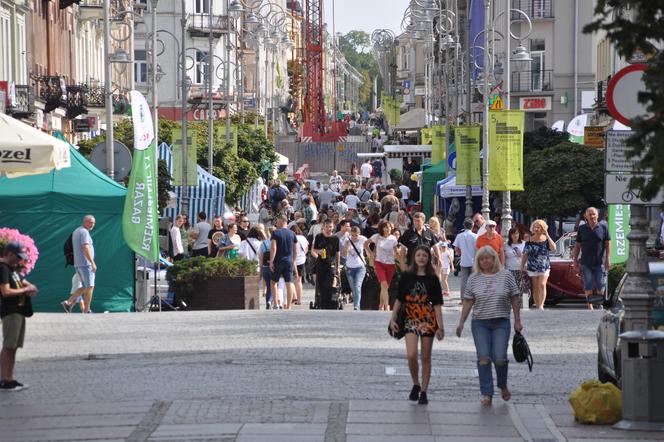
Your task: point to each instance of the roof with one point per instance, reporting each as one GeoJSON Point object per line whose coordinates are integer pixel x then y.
{"type": "Point", "coordinates": [414, 119]}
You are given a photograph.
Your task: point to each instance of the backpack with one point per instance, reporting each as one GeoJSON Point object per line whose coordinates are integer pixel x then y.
{"type": "Point", "coordinates": [279, 194]}
{"type": "Point", "coordinates": [69, 251]}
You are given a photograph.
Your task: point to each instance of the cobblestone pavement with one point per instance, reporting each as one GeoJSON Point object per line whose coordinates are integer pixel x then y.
{"type": "Point", "coordinates": [296, 375]}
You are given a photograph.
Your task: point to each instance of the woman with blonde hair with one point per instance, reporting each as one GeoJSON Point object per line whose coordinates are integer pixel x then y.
{"type": "Point", "coordinates": [535, 260]}
{"type": "Point", "coordinates": [490, 292]}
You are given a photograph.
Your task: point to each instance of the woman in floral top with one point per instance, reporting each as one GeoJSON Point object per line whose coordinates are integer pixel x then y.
{"type": "Point", "coordinates": [535, 260]}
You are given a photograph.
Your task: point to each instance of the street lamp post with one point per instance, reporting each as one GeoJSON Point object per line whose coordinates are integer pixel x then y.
{"type": "Point", "coordinates": [153, 56]}
{"type": "Point", "coordinates": [108, 103]}
{"type": "Point", "coordinates": [184, 110]}
{"type": "Point", "coordinates": [485, 125]}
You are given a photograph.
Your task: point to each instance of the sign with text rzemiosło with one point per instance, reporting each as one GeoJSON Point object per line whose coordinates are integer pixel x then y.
{"type": "Point", "coordinates": [438, 134]}
{"type": "Point", "coordinates": [619, 228]}
{"type": "Point", "coordinates": [506, 150]}
{"type": "Point", "coordinates": [467, 140]}
{"type": "Point", "coordinates": [192, 178]}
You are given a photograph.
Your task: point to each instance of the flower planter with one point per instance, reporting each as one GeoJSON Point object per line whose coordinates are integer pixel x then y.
{"type": "Point", "coordinates": [226, 293]}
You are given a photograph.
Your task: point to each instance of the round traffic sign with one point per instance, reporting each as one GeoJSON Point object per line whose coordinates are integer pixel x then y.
{"type": "Point", "coordinates": [622, 95]}
{"type": "Point", "coordinates": [451, 161]}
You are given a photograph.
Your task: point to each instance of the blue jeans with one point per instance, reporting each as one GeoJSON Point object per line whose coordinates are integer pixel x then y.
{"type": "Point", "coordinates": [355, 277]}
{"type": "Point", "coordinates": [491, 338]}
{"type": "Point", "coordinates": [266, 275]}
{"type": "Point", "coordinates": [594, 278]}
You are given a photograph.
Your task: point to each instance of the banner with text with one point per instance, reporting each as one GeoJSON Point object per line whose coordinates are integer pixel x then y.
{"type": "Point", "coordinates": [192, 178]}
{"type": "Point", "coordinates": [426, 136]}
{"type": "Point", "coordinates": [438, 134]}
{"type": "Point", "coordinates": [506, 150]}
{"type": "Point", "coordinates": [140, 218]}
{"type": "Point", "coordinates": [467, 140]}
{"type": "Point", "coordinates": [220, 133]}
{"type": "Point", "coordinates": [619, 229]}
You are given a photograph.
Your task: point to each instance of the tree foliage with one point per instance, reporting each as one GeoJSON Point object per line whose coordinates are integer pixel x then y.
{"type": "Point", "coordinates": [355, 46]}
{"type": "Point", "coordinates": [124, 132]}
{"type": "Point", "coordinates": [560, 180]}
{"type": "Point", "coordinates": [637, 26]}
{"type": "Point", "coordinates": [542, 138]}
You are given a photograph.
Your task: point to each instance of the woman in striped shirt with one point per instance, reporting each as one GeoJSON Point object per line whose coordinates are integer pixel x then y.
{"type": "Point", "coordinates": [490, 292]}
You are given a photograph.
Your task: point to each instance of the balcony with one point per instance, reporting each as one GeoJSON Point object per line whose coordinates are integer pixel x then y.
{"type": "Point", "coordinates": [24, 103]}
{"type": "Point", "coordinates": [532, 81]}
{"type": "Point", "coordinates": [66, 3]}
{"type": "Point", "coordinates": [77, 100]}
{"type": "Point", "coordinates": [91, 10]}
{"type": "Point", "coordinates": [536, 9]}
{"type": "Point", "coordinates": [52, 91]}
{"type": "Point", "coordinates": [200, 25]}
{"type": "Point", "coordinates": [96, 97]}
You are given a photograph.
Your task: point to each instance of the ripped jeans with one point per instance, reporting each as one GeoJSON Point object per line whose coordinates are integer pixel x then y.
{"type": "Point", "coordinates": [491, 338]}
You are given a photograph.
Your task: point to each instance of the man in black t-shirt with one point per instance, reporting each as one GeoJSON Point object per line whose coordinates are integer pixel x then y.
{"type": "Point", "coordinates": [15, 304]}
{"type": "Point", "coordinates": [326, 250]}
{"type": "Point", "coordinates": [594, 242]}
{"type": "Point", "coordinates": [283, 255]}
{"type": "Point", "coordinates": [417, 235]}
{"type": "Point", "coordinates": [216, 234]}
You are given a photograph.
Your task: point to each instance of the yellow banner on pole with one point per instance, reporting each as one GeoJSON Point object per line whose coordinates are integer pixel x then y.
{"type": "Point", "coordinates": [192, 178]}
{"type": "Point", "coordinates": [220, 136]}
{"type": "Point", "coordinates": [426, 136]}
{"type": "Point", "coordinates": [506, 150]}
{"type": "Point", "coordinates": [387, 109]}
{"type": "Point", "coordinates": [438, 134]}
{"type": "Point", "coordinates": [467, 141]}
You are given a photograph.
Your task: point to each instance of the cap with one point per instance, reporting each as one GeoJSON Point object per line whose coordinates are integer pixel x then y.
{"type": "Point", "coordinates": [16, 248]}
{"type": "Point", "coordinates": [491, 223]}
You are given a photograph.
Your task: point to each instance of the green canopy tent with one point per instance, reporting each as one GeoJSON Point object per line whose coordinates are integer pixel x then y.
{"type": "Point", "coordinates": [48, 207]}
{"type": "Point", "coordinates": [430, 176]}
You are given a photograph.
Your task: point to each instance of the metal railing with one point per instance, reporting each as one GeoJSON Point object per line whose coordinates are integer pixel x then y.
{"type": "Point", "coordinates": [536, 9]}
{"type": "Point", "coordinates": [204, 23]}
{"type": "Point", "coordinates": [24, 104]}
{"type": "Point", "coordinates": [77, 100]}
{"type": "Point", "coordinates": [532, 81]}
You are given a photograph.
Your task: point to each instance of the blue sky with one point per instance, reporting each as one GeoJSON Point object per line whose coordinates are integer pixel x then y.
{"type": "Point", "coordinates": [365, 15]}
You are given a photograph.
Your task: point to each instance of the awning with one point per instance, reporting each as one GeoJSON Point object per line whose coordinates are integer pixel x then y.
{"type": "Point", "coordinates": [414, 119]}
{"type": "Point", "coordinates": [448, 188]}
{"type": "Point", "coordinates": [282, 160]}
{"type": "Point", "coordinates": [25, 150]}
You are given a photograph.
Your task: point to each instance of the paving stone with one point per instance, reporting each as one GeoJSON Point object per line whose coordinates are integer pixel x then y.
{"type": "Point", "coordinates": [365, 438]}
{"type": "Point", "coordinates": [283, 429]}
{"type": "Point", "coordinates": [191, 430]}
{"type": "Point", "coordinates": [474, 430]}
{"type": "Point", "coordinates": [413, 416]}
{"type": "Point", "coordinates": [389, 429]}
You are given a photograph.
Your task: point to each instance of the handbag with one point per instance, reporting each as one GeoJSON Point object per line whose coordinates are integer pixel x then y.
{"type": "Point", "coordinates": [361, 258]}
{"type": "Point", "coordinates": [521, 351]}
{"type": "Point", "coordinates": [401, 323]}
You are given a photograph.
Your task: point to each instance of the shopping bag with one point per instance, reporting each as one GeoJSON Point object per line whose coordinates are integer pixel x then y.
{"type": "Point", "coordinates": [597, 403]}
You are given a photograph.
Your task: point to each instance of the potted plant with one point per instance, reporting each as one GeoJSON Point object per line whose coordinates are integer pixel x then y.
{"type": "Point", "coordinates": [215, 283]}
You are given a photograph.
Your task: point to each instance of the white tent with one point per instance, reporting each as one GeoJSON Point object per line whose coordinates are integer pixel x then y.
{"type": "Point", "coordinates": [25, 150]}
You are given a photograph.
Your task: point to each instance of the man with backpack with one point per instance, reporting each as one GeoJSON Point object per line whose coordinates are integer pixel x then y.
{"type": "Point", "coordinates": [84, 261]}
{"type": "Point", "coordinates": [277, 195]}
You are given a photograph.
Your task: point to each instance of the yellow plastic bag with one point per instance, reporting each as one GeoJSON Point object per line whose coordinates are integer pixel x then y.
{"type": "Point", "coordinates": [597, 403]}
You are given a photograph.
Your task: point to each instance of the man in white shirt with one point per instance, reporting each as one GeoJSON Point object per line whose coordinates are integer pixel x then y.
{"type": "Point", "coordinates": [327, 197]}
{"type": "Point", "coordinates": [352, 200]}
{"type": "Point", "coordinates": [336, 181]}
{"type": "Point", "coordinates": [480, 223]}
{"type": "Point", "coordinates": [365, 171]}
{"type": "Point", "coordinates": [405, 193]}
{"type": "Point", "coordinates": [464, 245]}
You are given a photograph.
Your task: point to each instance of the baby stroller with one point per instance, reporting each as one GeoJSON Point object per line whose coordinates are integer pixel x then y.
{"type": "Point", "coordinates": [337, 299]}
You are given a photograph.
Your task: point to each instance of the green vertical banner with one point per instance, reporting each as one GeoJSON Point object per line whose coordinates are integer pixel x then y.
{"type": "Point", "coordinates": [140, 218]}
{"type": "Point", "coordinates": [619, 229]}
{"type": "Point", "coordinates": [192, 179]}
{"type": "Point", "coordinates": [387, 109]}
{"type": "Point", "coordinates": [397, 111]}
{"type": "Point", "coordinates": [220, 133]}
{"type": "Point", "coordinates": [467, 140]}
{"type": "Point", "coordinates": [506, 150]}
{"type": "Point", "coordinates": [426, 136]}
{"type": "Point", "coordinates": [438, 134]}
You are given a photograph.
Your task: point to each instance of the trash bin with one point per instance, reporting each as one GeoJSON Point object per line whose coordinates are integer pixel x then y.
{"type": "Point", "coordinates": [642, 354]}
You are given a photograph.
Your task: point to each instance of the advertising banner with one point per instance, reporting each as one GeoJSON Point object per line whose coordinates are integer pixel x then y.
{"type": "Point", "coordinates": [192, 179]}
{"type": "Point", "coordinates": [438, 134]}
{"type": "Point", "coordinates": [506, 150]}
{"type": "Point", "coordinates": [140, 218]}
{"type": "Point", "coordinates": [426, 136]}
{"type": "Point", "coordinates": [619, 229]}
{"type": "Point", "coordinates": [220, 136]}
{"type": "Point", "coordinates": [467, 140]}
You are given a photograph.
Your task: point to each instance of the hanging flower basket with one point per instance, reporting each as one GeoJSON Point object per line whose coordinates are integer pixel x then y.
{"type": "Point", "coordinates": [13, 235]}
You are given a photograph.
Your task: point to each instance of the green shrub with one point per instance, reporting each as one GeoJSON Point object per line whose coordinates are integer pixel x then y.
{"type": "Point", "coordinates": [184, 275]}
{"type": "Point", "coordinates": [614, 276]}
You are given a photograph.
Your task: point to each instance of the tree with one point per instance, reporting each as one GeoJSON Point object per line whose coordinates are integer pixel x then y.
{"type": "Point", "coordinates": [542, 138]}
{"type": "Point", "coordinates": [561, 181]}
{"type": "Point", "coordinates": [637, 27]}
{"type": "Point", "coordinates": [355, 47]}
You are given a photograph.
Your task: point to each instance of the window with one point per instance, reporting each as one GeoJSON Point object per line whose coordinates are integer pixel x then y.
{"type": "Point", "coordinates": [140, 67]}
{"type": "Point", "coordinates": [201, 7]}
{"type": "Point", "coordinates": [537, 65]}
{"type": "Point", "coordinates": [539, 120]}
{"type": "Point", "coordinates": [21, 56]}
{"type": "Point", "coordinates": [200, 67]}
{"type": "Point", "coordinates": [5, 47]}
